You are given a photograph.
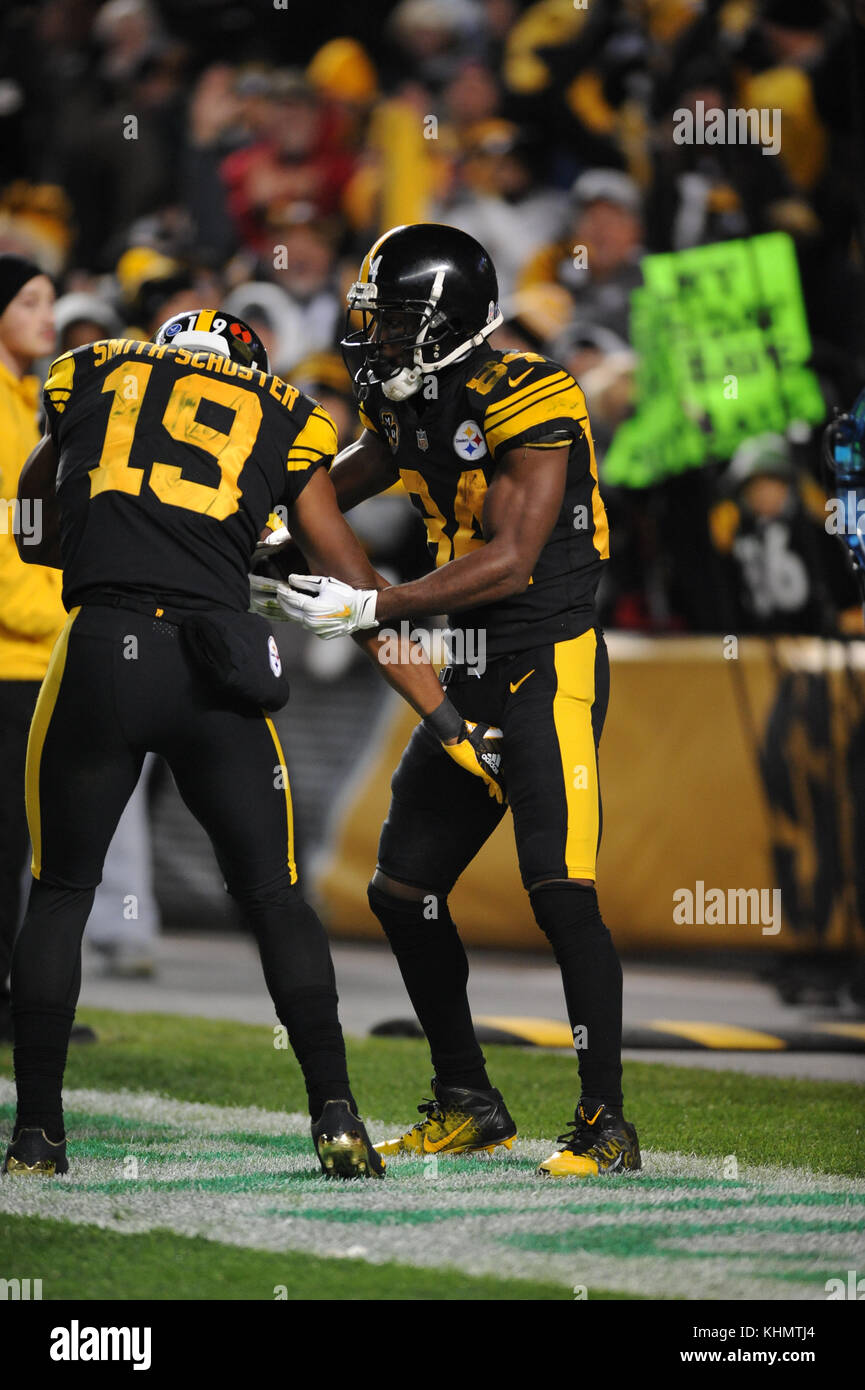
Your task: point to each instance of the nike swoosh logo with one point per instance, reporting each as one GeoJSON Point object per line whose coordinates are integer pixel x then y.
{"type": "Point", "coordinates": [344, 613]}
{"type": "Point", "coordinates": [431, 1148]}
{"type": "Point", "coordinates": [515, 688]}
{"type": "Point", "coordinates": [515, 380]}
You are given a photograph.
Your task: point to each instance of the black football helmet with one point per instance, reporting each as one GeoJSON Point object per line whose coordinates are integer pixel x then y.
{"type": "Point", "coordinates": [426, 294]}
{"type": "Point", "coordinates": [217, 330]}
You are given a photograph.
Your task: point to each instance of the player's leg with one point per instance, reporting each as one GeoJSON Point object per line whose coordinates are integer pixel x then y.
{"type": "Point", "coordinates": [80, 774]}
{"type": "Point", "coordinates": [231, 773]}
{"type": "Point", "coordinates": [552, 725]}
{"type": "Point", "coordinates": [17, 701]}
{"type": "Point", "coordinates": [438, 820]}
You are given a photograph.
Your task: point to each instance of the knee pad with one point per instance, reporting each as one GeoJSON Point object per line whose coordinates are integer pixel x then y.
{"type": "Point", "coordinates": [408, 921]}
{"type": "Point", "coordinates": [567, 914]}
{"type": "Point", "coordinates": [280, 892]}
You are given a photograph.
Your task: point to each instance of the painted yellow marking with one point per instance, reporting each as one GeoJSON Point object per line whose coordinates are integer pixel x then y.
{"type": "Point", "coordinates": [843, 1030]}
{"type": "Point", "coordinates": [543, 1032]}
{"type": "Point", "coordinates": [720, 1035]}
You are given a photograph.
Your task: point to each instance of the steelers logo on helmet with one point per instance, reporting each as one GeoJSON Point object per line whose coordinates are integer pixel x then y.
{"type": "Point", "coordinates": [215, 330]}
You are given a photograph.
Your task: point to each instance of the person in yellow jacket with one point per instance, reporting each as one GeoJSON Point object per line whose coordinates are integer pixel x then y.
{"type": "Point", "coordinates": [31, 611]}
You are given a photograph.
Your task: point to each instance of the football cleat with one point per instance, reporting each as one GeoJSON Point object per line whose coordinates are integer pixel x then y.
{"type": "Point", "coordinates": [343, 1145]}
{"type": "Point", "coordinates": [33, 1155]}
{"type": "Point", "coordinates": [596, 1145]}
{"type": "Point", "coordinates": [457, 1121]}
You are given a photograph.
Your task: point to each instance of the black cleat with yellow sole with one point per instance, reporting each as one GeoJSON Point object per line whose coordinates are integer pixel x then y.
{"type": "Point", "coordinates": [599, 1143]}
{"type": "Point", "coordinates": [343, 1145]}
{"type": "Point", "coordinates": [457, 1121]}
{"type": "Point", "coordinates": [33, 1155]}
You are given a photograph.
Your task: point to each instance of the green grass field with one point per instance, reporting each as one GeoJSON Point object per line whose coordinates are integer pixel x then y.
{"type": "Point", "coordinates": [192, 1176]}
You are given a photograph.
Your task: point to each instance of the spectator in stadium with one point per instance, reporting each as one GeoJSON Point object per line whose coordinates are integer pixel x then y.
{"type": "Point", "coordinates": [31, 612]}
{"type": "Point", "coordinates": [277, 320]}
{"type": "Point", "coordinates": [534, 319]}
{"type": "Point", "coordinates": [83, 317]}
{"type": "Point", "coordinates": [499, 199]}
{"type": "Point", "coordinates": [703, 192]}
{"type": "Point", "coordinates": [785, 571]}
{"type": "Point", "coordinates": [598, 258]}
{"type": "Point", "coordinates": [433, 37]}
{"type": "Point", "coordinates": [295, 166]}
{"type": "Point", "coordinates": [302, 262]}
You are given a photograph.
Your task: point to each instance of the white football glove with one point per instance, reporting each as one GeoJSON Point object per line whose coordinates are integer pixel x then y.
{"type": "Point", "coordinates": [264, 597]}
{"type": "Point", "coordinates": [325, 606]}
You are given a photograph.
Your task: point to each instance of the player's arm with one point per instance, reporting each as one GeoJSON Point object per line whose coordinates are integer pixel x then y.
{"type": "Point", "coordinates": [521, 508]}
{"type": "Point", "coordinates": [362, 470]}
{"type": "Point", "coordinates": [330, 545]}
{"type": "Point", "coordinates": [37, 485]}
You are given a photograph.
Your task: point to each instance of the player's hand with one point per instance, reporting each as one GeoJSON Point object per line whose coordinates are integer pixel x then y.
{"type": "Point", "coordinates": [479, 751]}
{"type": "Point", "coordinates": [264, 597]}
{"type": "Point", "coordinates": [268, 567]}
{"type": "Point", "coordinates": [325, 606]}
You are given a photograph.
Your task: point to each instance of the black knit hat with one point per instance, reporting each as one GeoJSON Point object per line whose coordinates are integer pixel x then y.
{"type": "Point", "coordinates": [15, 271]}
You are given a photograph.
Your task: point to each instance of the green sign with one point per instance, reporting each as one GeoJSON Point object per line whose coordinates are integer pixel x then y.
{"type": "Point", "coordinates": [722, 340]}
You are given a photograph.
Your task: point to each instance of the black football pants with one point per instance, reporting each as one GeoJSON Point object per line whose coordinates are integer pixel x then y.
{"type": "Point", "coordinates": [119, 685]}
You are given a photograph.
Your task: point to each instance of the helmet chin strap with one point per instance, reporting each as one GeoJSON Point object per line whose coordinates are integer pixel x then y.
{"type": "Point", "coordinates": [406, 382]}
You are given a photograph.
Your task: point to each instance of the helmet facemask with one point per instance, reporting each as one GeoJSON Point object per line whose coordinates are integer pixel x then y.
{"type": "Point", "coordinates": [400, 342]}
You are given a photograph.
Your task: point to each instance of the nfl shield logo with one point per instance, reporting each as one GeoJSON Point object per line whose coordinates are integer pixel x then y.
{"type": "Point", "coordinates": [422, 441]}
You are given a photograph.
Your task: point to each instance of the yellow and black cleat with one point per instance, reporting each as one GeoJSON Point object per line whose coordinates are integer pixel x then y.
{"type": "Point", "coordinates": [33, 1155]}
{"type": "Point", "coordinates": [457, 1121]}
{"type": "Point", "coordinates": [343, 1145]}
{"type": "Point", "coordinates": [597, 1145]}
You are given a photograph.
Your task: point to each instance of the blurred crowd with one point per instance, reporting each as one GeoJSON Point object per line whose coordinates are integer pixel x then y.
{"type": "Point", "coordinates": [158, 154]}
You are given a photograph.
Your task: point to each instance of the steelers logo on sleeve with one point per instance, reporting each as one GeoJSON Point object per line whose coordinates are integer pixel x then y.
{"type": "Point", "coordinates": [469, 443]}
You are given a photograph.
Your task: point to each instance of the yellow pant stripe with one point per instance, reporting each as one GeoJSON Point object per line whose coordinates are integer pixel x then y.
{"type": "Point", "coordinates": [38, 730]}
{"type": "Point", "coordinates": [289, 813]}
{"type": "Point", "coordinates": [572, 716]}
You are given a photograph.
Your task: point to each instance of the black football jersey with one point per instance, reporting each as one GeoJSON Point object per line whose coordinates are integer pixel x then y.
{"type": "Point", "coordinates": [170, 462]}
{"type": "Point", "coordinates": [447, 449]}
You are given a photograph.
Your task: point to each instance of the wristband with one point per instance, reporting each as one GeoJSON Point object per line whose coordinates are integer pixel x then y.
{"type": "Point", "coordinates": [445, 721]}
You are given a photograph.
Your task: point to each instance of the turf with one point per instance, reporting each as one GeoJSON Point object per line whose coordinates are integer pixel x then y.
{"type": "Point", "coordinates": [99, 1264]}
{"type": "Point", "coordinates": [766, 1120]}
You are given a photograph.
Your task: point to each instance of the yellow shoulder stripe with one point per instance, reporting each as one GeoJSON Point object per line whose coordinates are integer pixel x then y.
{"type": "Point", "coordinates": [365, 420]}
{"type": "Point", "coordinates": [515, 397]}
{"type": "Point", "coordinates": [317, 438]}
{"type": "Point", "coordinates": [562, 402]}
{"type": "Point", "coordinates": [59, 383]}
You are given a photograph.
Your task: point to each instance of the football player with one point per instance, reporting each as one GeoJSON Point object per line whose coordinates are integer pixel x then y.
{"type": "Point", "coordinates": [161, 465]}
{"type": "Point", "coordinates": [495, 450]}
